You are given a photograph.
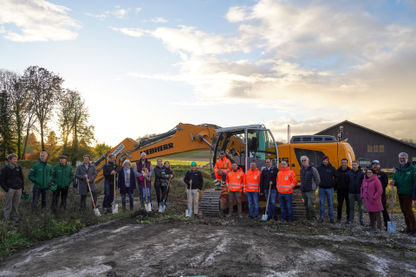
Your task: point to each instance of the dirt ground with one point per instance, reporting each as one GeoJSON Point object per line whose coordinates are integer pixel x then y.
{"type": "Point", "coordinates": [170, 245]}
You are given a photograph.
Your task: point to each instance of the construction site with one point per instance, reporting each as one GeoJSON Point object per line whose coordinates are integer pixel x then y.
{"type": "Point", "coordinates": [207, 138]}
{"type": "Point", "coordinates": [148, 242]}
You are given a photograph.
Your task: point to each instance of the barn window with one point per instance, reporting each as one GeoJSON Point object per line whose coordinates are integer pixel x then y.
{"type": "Point", "coordinates": [375, 148]}
{"type": "Point", "coordinates": [369, 148]}
{"type": "Point", "coordinates": [381, 148]}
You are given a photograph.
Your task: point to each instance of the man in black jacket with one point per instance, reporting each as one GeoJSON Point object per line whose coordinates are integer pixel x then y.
{"type": "Point", "coordinates": [342, 187]}
{"type": "Point", "coordinates": [326, 188]}
{"type": "Point", "coordinates": [384, 179]}
{"type": "Point", "coordinates": [11, 180]}
{"type": "Point", "coordinates": [109, 172]}
{"type": "Point", "coordinates": [355, 176]}
{"type": "Point", "coordinates": [268, 179]}
{"type": "Point", "coordinates": [194, 181]}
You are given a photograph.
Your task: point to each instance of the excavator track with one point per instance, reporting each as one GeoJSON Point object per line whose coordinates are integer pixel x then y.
{"type": "Point", "coordinates": [299, 211]}
{"type": "Point", "coordinates": [210, 203]}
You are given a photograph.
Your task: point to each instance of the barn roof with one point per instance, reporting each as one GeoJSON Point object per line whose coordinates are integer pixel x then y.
{"type": "Point", "coordinates": [369, 130]}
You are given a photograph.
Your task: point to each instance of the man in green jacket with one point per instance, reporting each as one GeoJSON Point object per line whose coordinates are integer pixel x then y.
{"type": "Point", "coordinates": [404, 179]}
{"type": "Point", "coordinates": [41, 176]}
{"type": "Point", "coordinates": [62, 176]}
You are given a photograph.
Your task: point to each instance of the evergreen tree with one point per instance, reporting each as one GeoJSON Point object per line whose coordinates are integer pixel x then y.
{"type": "Point", "coordinates": [6, 123]}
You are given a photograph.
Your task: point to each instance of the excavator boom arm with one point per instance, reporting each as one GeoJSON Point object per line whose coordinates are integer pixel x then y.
{"type": "Point", "coordinates": [182, 138]}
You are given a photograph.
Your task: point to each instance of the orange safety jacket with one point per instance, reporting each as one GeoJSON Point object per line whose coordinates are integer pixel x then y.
{"type": "Point", "coordinates": [252, 180]}
{"type": "Point", "coordinates": [224, 164]}
{"type": "Point", "coordinates": [235, 180]}
{"type": "Point", "coordinates": [286, 181]}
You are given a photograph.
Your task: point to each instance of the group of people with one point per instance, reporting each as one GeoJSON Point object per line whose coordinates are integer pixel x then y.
{"type": "Point", "coordinates": [128, 178]}
{"type": "Point", "coordinates": [353, 186]}
{"type": "Point", "coordinates": [58, 179]}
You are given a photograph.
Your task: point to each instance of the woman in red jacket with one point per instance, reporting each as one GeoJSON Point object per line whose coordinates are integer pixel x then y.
{"type": "Point", "coordinates": [371, 191]}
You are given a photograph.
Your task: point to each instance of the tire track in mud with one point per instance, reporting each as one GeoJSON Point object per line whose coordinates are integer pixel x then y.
{"type": "Point", "coordinates": [176, 248]}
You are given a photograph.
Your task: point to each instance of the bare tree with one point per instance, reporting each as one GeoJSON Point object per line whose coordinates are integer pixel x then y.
{"type": "Point", "coordinates": [73, 120]}
{"type": "Point", "coordinates": [45, 89]}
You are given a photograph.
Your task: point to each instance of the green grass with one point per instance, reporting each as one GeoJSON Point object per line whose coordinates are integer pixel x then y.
{"type": "Point", "coordinates": [44, 226]}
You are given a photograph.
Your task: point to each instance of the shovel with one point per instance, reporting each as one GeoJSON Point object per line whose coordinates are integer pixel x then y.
{"type": "Point", "coordinates": [148, 205]}
{"type": "Point", "coordinates": [265, 217]}
{"type": "Point", "coordinates": [96, 211]}
{"type": "Point", "coordinates": [115, 205]}
{"type": "Point", "coordinates": [391, 226]}
{"type": "Point", "coordinates": [188, 213]}
{"type": "Point", "coordinates": [162, 207]}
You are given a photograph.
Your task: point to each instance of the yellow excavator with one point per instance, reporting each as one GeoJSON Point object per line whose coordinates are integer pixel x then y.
{"type": "Point", "coordinates": [241, 144]}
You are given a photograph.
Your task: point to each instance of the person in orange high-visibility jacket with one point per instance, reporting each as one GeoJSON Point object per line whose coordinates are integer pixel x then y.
{"type": "Point", "coordinates": [285, 182]}
{"type": "Point", "coordinates": [222, 167]}
{"type": "Point", "coordinates": [252, 189]}
{"type": "Point", "coordinates": [235, 185]}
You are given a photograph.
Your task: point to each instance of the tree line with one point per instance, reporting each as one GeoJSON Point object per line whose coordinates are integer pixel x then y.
{"type": "Point", "coordinates": [28, 104]}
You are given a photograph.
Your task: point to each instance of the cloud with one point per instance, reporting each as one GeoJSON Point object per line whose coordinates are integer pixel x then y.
{"type": "Point", "coordinates": [158, 20]}
{"type": "Point", "coordinates": [190, 40]}
{"type": "Point", "coordinates": [331, 60]}
{"type": "Point", "coordinates": [118, 12]}
{"type": "Point", "coordinates": [237, 14]}
{"type": "Point", "coordinates": [37, 20]}
{"type": "Point", "coordinates": [132, 32]}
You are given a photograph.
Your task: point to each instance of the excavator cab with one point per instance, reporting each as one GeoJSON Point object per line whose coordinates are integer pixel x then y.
{"type": "Point", "coordinates": [243, 145]}
{"type": "Point", "coordinates": [246, 144]}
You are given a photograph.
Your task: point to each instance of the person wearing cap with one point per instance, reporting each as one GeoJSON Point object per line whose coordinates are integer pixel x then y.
{"type": "Point", "coordinates": [41, 176]}
{"type": "Point", "coordinates": [85, 175]}
{"type": "Point", "coordinates": [384, 179]}
{"type": "Point", "coordinates": [355, 179]}
{"type": "Point", "coordinates": [194, 181]}
{"type": "Point", "coordinates": [326, 188]}
{"type": "Point", "coordinates": [12, 181]}
{"type": "Point", "coordinates": [404, 179]}
{"type": "Point", "coordinates": [62, 176]}
{"type": "Point", "coordinates": [127, 184]}
{"type": "Point", "coordinates": [221, 168]}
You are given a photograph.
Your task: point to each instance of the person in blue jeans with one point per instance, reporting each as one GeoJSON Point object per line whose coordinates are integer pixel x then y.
{"type": "Point", "coordinates": [268, 179]}
{"type": "Point", "coordinates": [326, 188]}
{"type": "Point", "coordinates": [286, 181]}
{"type": "Point", "coordinates": [252, 188]}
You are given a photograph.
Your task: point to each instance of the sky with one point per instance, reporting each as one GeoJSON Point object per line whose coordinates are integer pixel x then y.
{"type": "Point", "coordinates": [144, 66]}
